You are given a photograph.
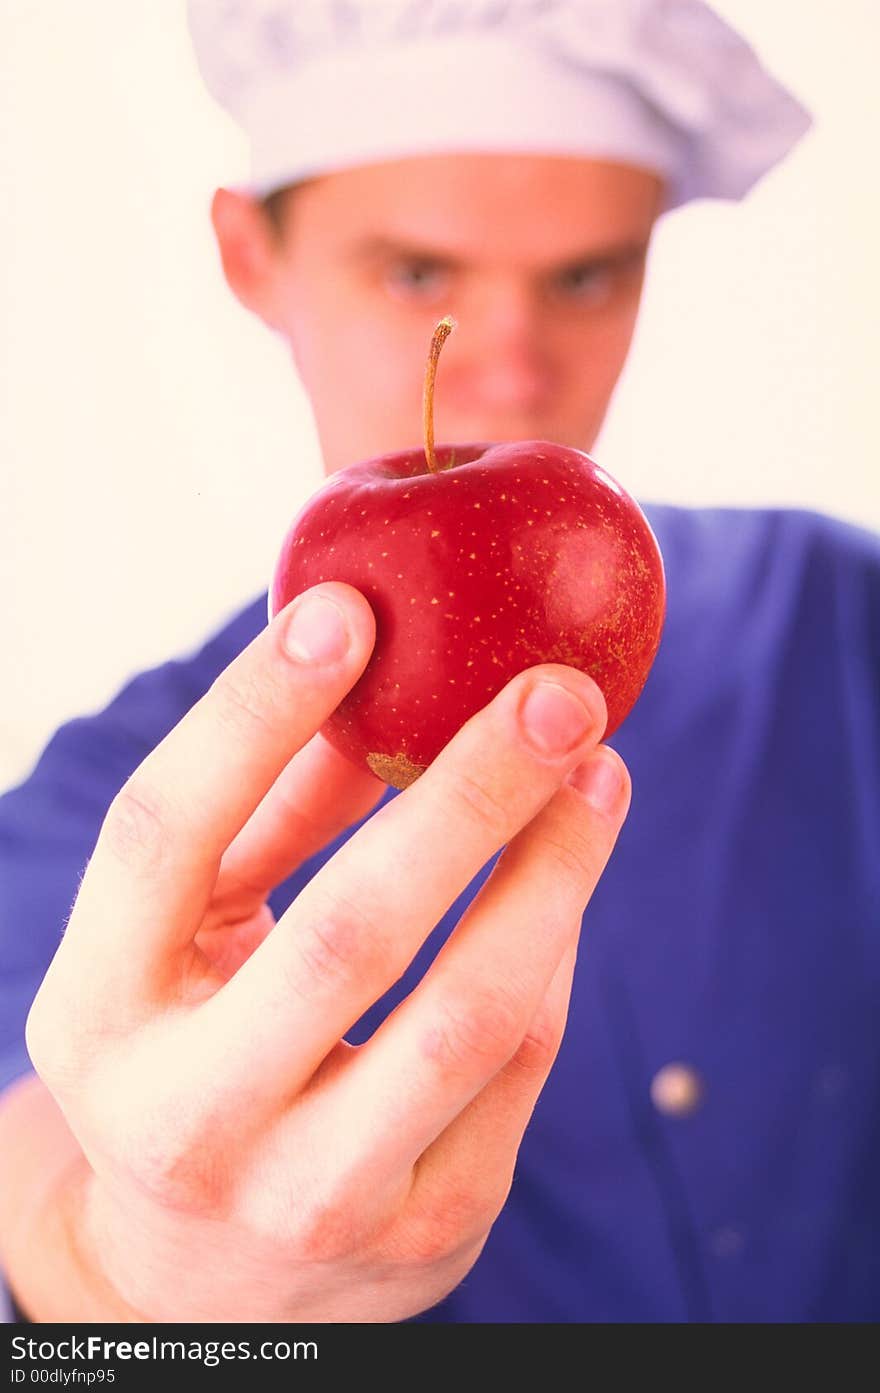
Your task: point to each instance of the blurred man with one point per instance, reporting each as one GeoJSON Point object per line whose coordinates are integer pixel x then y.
{"type": "Point", "coordinates": [307, 1036]}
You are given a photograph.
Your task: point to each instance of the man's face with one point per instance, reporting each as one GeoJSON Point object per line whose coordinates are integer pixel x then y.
{"type": "Point", "coordinates": [540, 259]}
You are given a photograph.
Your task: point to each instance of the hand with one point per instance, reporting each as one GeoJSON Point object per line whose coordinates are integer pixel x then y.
{"type": "Point", "coordinates": [196, 1048]}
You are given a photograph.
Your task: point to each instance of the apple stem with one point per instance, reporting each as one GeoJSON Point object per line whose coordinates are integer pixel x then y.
{"type": "Point", "coordinates": [441, 334]}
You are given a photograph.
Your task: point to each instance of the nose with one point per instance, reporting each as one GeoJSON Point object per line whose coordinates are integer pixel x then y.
{"type": "Point", "coordinates": [503, 363]}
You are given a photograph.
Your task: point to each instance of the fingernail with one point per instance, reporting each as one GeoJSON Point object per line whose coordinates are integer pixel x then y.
{"type": "Point", "coordinates": [554, 721]}
{"type": "Point", "coordinates": [317, 631]}
{"type": "Point", "coordinates": [598, 780]}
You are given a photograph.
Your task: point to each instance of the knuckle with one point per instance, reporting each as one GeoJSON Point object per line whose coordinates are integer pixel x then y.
{"type": "Point", "coordinates": [243, 702]}
{"type": "Point", "coordinates": [478, 803]}
{"type": "Point", "coordinates": [40, 1038]}
{"type": "Point", "coordinates": [473, 1029]}
{"type": "Point", "coordinates": [441, 1229]}
{"type": "Point", "coordinates": [328, 1233]}
{"type": "Point", "coordinates": [172, 1161]}
{"type": "Point", "coordinates": [538, 1047]}
{"type": "Point", "coordinates": [574, 854]}
{"type": "Point", "coordinates": [56, 1037]}
{"type": "Point", "coordinates": [138, 825]}
{"type": "Point", "coordinates": [328, 1216]}
{"type": "Point", "coordinates": [339, 939]}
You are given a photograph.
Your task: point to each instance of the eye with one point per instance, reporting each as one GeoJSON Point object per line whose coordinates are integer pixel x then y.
{"type": "Point", "coordinates": [587, 282]}
{"type": "Point", "coordinates": [417, 278]}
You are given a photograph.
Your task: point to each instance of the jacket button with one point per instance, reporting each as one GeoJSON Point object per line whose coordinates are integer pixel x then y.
{"type": "Point", "coordinates": [676, 1090]}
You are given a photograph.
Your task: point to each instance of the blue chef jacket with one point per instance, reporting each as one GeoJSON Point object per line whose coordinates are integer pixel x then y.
{"type": "Point", "coordinates": [735, 935]}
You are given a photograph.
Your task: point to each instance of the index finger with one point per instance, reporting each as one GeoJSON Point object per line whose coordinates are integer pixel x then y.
{"type": "Point", "coordinates": [155, 864]}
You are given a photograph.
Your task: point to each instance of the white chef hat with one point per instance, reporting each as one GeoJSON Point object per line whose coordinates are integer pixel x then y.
{"type": "Point", "coordinates": [320, 85]}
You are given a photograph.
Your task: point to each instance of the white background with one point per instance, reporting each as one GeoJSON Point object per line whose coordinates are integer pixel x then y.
{"type": "Point", "coordinates": [154, 442]}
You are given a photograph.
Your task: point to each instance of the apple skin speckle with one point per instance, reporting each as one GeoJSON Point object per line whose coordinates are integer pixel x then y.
{"type": "Point", "coordinates": [585, 567]}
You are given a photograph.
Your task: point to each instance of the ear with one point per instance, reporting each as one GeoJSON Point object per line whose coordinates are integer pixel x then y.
{"type": "Point", "coordinates": [248, 251]}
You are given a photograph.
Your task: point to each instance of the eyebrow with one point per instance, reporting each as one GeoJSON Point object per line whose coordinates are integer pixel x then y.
{"type": "Point", "coordinates": [384, 248]}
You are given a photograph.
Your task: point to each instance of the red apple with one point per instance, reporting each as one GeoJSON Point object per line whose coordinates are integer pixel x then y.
{"type": "Point", "coordinates": [499, 557]}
